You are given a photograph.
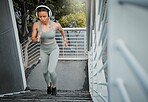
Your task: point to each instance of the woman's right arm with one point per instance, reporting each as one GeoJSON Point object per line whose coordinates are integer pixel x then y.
{"type": "Point", "coordinates": [34, 33]}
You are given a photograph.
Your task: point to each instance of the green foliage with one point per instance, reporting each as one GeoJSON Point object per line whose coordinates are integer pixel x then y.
{"type": "Point", "coordinates": [71, 13]}
{"type": "Point", "coordinates": [66, 7]}
{"type": "Point", "coordinates": [74, 20]}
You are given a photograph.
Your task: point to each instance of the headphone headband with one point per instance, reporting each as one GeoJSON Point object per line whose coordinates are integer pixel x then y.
{"type": "Point", "coordinates": [50, 13]}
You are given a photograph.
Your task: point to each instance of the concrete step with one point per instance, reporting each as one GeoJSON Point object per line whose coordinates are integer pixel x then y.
{"type": "Point", "coordinates": [42, 96]}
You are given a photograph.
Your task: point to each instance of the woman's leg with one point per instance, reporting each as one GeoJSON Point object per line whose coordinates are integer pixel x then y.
{"type": "Point", "coordinates": [44, 63]}
{"type": "Point", "coordinates": [53, 59]}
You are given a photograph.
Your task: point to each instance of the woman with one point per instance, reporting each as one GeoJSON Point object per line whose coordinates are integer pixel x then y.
{"type": "Point", "coordinates": [43, 31]}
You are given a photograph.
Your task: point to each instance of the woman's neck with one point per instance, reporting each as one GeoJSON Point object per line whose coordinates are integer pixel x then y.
{"type": "Point", "coordinates": [45, 23]}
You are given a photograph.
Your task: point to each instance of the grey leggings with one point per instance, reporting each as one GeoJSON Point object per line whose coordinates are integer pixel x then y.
{"type": "Point", "coordinates": [49, 59]}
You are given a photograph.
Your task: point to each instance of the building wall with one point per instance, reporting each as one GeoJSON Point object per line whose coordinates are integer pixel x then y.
{"type": "Point", "coordinates": [11, 69]}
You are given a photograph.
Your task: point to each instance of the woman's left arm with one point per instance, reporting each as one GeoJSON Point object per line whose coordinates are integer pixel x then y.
{"type": "Point", "coordinates": [62, 33]}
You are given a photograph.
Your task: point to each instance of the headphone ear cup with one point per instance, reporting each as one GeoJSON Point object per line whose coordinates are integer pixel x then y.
{"type": "Point", "coordinates": [50, 13]}
{"type": "Point", "coordinates": [36, 14]}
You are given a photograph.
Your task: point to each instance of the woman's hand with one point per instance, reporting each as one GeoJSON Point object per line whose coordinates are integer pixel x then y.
{"type": "Point", "coordinates": [65, 43]}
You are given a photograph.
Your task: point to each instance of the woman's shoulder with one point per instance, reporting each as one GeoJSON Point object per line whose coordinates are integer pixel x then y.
{"type": "Point", "coordinates": [56, 24]}
{"type": "Point", "coordinates": [36, 23]}
{"type": "Point", "coordinates": [53, 23]}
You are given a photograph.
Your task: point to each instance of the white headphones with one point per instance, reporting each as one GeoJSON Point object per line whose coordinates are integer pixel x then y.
{"type": "Point", "coordinates": [50, 13]}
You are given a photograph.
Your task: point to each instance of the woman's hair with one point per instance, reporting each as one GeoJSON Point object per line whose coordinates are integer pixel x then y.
{"type": "Point", "coordinates": [42, 9]}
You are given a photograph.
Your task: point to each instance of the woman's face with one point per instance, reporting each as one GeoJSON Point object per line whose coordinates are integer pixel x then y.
{"type": "Point", "coordinates": [43, 16]}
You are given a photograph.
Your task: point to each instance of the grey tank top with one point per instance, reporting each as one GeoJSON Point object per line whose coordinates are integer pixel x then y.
{"type": "Point", "coordinates": [48, 36]}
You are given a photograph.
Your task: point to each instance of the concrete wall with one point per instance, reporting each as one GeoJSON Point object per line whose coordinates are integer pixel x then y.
{"type": "Point", "coordinates": [71, 75]}
{"type": "Point", "coordinates": [11, 69]}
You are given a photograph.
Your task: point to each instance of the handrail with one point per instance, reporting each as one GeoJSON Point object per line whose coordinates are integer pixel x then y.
{"type": "Point", "coordinates": [100, 13]}
{"type": "Point", "coordinates": [74, 29]}
{"type": "Point", "coordinates": [104, 84]}
{"type": "Point", "coordinates": [103, 31]}
{"type": "Point", "coordinates": [122, 90]}
{"type": "Point", "coordinates": [104, 46]}
{"type": "Point", "coordinates": [104, 26]}
{"type": "Point", "coordinates": [141, 3]}
{"type": "Point", "coordinates": [103, 67]}
{"type": "Point", "coordinates": [102, 97]}
{"type": "Point", "coordinates": [135, 66]}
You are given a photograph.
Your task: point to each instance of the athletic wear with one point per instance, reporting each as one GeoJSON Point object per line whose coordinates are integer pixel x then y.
{"type": "Point", "coordinates": [49, 54]}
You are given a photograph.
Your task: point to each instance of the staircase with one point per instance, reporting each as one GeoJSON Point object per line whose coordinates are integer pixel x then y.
{"type": "Point", "coordinates": [41, 96]}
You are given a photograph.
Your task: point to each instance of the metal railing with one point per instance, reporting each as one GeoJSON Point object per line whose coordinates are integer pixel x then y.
{"type": "Point", "coordinates": [77, 49]}
{"type": "Point", "coordinates": [134, 65]}
{"type": "Point", "coordinates": [30, 52]}
{"type": "Point", "coordinates": [141, 3]}
{"type": "Point", "coordinates": [121, 43]}
{"type": "Point", "coordinates": [96, 64]}
{"type": "Point", "coordinates": [119, 83]}
{"type": "Point", "coordinates": [128, 57]}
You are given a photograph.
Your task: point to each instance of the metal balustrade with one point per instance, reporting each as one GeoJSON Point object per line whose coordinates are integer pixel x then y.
{"type": "Point", "coordinates": [98, 41]}
{"type": "Point", "coordinates": [77, 49]}
{"type": "Point", "coordinates": [119, 83]}
{"type": "Point", "coordinates": [77, 44]}
{"type": "Point", "coordinates": [134, 65]}
{"type": "Point", "coordinates": [127, 55]}
{"type": "Point", "coordinates": [141, 3]}
{"type": "Point", "coordinates": [103, 67]}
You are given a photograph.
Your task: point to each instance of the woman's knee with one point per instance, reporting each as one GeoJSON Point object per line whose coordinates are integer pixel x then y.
{"type": "Point", "coordinates": [51, 72]}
